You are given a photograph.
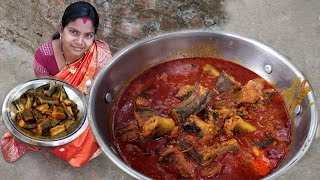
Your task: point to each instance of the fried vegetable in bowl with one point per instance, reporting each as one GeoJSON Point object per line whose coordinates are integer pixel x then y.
{"type": "Point", "coordinates": [45, 112]}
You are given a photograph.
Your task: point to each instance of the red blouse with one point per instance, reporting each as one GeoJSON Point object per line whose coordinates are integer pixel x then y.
{"type": "Point", "coordinates": [45, 63]}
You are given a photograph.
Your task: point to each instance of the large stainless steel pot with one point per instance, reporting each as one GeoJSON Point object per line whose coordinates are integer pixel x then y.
{"type": "Point", "coordinates": [260, 58]}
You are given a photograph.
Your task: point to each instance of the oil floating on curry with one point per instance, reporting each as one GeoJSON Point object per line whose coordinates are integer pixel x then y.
{"type": "Point", "coordinates": [201, 118]}
{"type": "Point", "coordinates": [46, 112]}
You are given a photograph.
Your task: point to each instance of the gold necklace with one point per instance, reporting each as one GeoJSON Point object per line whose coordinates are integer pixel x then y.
{"type": "Point", "coordinates": [72, 70]}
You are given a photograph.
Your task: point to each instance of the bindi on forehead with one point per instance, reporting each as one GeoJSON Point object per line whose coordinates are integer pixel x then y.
{"type": "Point", "coordinates": [85, 19]}
{"type": "Point", "coordinates": [79, 25]}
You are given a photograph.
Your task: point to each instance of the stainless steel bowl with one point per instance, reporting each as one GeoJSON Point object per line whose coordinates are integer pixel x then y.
{"type": "Point", "coordinates": [252, 54]}
{"type": "Point", "coordinates": [72, 93]}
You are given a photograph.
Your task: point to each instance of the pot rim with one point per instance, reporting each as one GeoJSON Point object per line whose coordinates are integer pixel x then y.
{"type": "Point", "coordinates": [110, 152]}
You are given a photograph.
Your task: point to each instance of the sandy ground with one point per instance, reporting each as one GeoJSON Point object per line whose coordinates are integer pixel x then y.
{"type": "Point", "coordinates": [290, 26]}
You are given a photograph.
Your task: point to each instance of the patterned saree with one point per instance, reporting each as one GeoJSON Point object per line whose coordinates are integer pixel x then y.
{"type": "Point", "coordinates": [82, 149]}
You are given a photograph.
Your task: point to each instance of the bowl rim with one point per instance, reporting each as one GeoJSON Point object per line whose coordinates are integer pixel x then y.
{"type": "Point", "coordinates": [38, 141]}
{"type": "Point", "coordinates": [111, 153]}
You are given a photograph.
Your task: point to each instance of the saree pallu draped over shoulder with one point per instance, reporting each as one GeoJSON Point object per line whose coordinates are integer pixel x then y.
{"type": "Point", "coordinates": [79, 151]}
{"type": "Point", "coordinates": [85, 69]}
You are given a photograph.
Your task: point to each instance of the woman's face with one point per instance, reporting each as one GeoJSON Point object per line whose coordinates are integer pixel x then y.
{"type": "Point", "coordinates": [78, 37]}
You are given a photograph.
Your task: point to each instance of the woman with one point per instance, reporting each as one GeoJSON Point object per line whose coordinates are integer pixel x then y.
{"type": "Point", "coordinates": [76, 57]}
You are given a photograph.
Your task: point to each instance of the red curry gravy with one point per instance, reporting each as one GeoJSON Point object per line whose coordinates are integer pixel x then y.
{"type": "Point", "coordinates": [200, 147]}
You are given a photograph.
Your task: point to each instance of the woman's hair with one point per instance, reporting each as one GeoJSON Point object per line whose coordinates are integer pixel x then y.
{"type": "Point", "coordinates": [77, 10]}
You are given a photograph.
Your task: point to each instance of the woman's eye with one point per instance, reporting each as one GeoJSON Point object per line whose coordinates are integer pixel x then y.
{"type": "Point", "coordinates": [73, 32]}
{"type": "Point", "coordinates": [89, 35]}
